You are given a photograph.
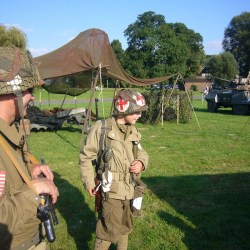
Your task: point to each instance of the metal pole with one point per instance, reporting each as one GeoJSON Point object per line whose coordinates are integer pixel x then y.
{"type": "Point", "coordinates": [96, 107]}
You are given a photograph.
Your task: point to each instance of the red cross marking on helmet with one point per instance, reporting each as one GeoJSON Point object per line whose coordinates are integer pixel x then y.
{"type": "Point", "coordinates": [121, 103]}
{"type": "Point", "coordinates": [140, 100]}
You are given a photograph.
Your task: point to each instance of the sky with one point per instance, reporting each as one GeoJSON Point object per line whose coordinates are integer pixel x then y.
{"type": "Point", "coordinates": [50, 24]}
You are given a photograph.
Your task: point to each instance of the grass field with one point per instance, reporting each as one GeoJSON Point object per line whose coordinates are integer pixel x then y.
{"type": "Point", "coordinates": [198, 184]}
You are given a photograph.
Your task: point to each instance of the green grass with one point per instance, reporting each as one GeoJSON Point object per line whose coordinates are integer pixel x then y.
{"type": "Point", "coordinates": [198, 184]}
{"type": "Point", "coordinates": [40, 92]}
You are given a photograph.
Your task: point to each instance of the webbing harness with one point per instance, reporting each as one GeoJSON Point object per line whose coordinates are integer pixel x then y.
{"type": "Point", "coordinates": [103, 143]}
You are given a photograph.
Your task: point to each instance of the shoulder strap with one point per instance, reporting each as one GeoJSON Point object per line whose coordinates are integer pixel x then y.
{"type": "Point", "coordinates": [104, 140]}
{"type": "Point", "coordinates": [16, 164]}
{"type": "Point", "coordinates": [101, 142]}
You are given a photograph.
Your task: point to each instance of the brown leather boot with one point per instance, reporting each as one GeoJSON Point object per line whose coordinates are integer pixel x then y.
{"type": "Point", "coordinates": [101, 244]}
{"type": "Point", "coordinates": [122, 243]}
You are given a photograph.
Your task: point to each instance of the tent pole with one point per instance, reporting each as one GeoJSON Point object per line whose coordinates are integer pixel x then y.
{"type": "Point", "coordinates": [112, 105]}
{"type": "Point", "coordinates": [168, 99]}
{"type": "Point", "coordinates": [96, 108]}
{"type": "Point", "coordinates": [191, 105]}
{"type": "Point", "coordinates": [162, 106]}
{"type": "Point", "coordinates": [178, 109]}
{"type": "Point", "coordinates": [65, 97]}
{"type": "Point", "coordinates": [88, 114]}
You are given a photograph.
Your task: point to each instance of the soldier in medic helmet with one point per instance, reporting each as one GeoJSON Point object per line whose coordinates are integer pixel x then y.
{"type": "Point", "coordinates": [115, 189]}
{"type": "Point", "coordinates": [19, 183]}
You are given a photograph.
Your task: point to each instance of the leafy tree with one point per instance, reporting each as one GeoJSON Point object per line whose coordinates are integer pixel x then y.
{"type": "Point", "coordinates": [223, 66]}
{"type": "Point", "coordinates": [195, 48]}
{"type": "Point", "coordinates": [237, 41]}
{"type": "Point", "coordinates": [12, 37]}
{"type": "Point", "coordinates": [119, 52]}
{"type": "Point", "coordinates": [156, 48]}
{"type": "Point", "coordinates": [117, 47]}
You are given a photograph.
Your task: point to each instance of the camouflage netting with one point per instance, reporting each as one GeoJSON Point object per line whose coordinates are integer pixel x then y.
{"type": "Point", "coordinates": [17, 71]}
{"type": "Point", "coordinates": [154, 102]}
{"type": "Point", "coordinates": [84, 55]}
{"type": "Point", "coordinates": [72, 85]}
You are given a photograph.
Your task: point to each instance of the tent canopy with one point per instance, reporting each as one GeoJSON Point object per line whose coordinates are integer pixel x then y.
{"type": "Point", "coordinates": [71, 67]}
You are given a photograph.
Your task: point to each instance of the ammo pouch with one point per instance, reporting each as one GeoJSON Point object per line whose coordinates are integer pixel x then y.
{"type": "Point", "coordinates": [136, 202]}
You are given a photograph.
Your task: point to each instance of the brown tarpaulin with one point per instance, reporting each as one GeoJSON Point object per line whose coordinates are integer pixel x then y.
{"type": "Point", "coordinates": [87, 52]}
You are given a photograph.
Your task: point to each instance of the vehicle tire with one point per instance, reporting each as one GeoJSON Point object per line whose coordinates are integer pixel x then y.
{"type": "Point", "coordinates": [212, 106]}
{"type": "Point", "coordinates": [240, 109]}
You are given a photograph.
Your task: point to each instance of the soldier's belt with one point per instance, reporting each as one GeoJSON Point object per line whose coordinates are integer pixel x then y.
{"type": "Point", "coordinates": [116, 177]}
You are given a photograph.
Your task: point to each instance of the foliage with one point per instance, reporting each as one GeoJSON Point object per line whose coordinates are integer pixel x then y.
{"type": "Point", "coordinates": [236, 40]}
{"type": "Point", "coordinates": [185, 106]}
{"type": "Point", "coordinates": [223, 66]}
{"type": "Point", "coordinates": [194, 41]}
{"type": "Point", "coordinates": [12, 37]}
{"type": "Point", "coordinates": [156, 48]}
{"type": "Point", "coordinates": [153, 100]}
{"type": "Point", "coordinates": [169, 102]}
{"type": "Point", "coordinates": [119, 52]}
{"type": "Point", "coordinates": [194, 87]}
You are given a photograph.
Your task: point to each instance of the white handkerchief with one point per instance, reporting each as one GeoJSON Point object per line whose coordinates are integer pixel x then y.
{"type": "Point", "coordinates": [137, 203]}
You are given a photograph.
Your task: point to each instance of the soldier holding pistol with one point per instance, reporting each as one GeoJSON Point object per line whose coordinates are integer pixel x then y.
{"type": "Point", "coordinates": [20, 185]}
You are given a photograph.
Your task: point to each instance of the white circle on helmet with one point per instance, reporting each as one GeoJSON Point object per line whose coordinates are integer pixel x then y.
{"type": "Point", "coordinates": [121, 105]}
{"type": "Point", "coordinates": [15, 83]}
{"type": "Point", "coordinates": [140, 101]}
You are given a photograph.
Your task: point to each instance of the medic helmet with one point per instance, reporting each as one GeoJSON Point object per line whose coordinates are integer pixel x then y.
{"type": "Point", "coordinates": [128, 102]}
{"type": "Point", "coordinates": [18, 71]}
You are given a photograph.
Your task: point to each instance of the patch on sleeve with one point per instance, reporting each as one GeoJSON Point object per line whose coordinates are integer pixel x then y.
{"type": "Point", "coordinates": [2, 182]}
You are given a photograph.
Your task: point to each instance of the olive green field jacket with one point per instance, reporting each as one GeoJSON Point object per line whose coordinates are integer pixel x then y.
{"type": "Point", "coordinates": [18, 203]}
{"type": "Point", "coordinates": [121, 186]}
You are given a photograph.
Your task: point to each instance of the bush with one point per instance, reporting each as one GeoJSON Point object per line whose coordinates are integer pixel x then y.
{"type": "Point", "coordinates": [177, 99]}
{"type": "Point", "coordinates": [194, 87]}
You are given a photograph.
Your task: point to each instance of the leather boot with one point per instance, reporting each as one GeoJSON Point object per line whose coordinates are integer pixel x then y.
{"type": "Point", "coordinates": [122, 243]}
{"type": "Point", "coordinates": [101, 244]}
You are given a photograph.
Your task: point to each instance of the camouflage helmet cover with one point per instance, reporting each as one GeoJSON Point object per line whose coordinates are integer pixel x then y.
{"type": "Point", "coordinates": [128, 102]}
{"type": "Point", "coordinates": [18, 71]}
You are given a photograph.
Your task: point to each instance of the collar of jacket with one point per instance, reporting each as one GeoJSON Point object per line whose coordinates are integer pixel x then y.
{"type": "Point", "coordinates": [10, 132]}
{"type": "Point", "coordinates": [114, 133]}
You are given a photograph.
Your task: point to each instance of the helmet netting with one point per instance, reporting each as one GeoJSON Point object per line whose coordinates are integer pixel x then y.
{"type": "Point", "coordinates": [128, 102]}
{"type": "Point", "coordinates": [18, 71]}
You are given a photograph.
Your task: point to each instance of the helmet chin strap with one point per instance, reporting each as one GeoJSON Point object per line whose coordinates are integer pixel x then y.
{"type": "Point", "coordinates": [21, 111]}
{"type": "Point", "coordinates": [15, 84]}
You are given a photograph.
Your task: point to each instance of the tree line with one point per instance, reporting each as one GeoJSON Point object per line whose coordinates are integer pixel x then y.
{"type": "Point", "coordinates": [157, 48]}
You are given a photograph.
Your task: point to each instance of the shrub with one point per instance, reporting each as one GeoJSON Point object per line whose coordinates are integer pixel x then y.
{"type": "Point", "coordinates": [173, 99]}
{"type": "Point", "coordinates": [194, 87]}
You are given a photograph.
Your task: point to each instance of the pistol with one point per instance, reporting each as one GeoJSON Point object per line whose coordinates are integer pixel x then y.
{"type": "Point", "coordinates": [46, 213]}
